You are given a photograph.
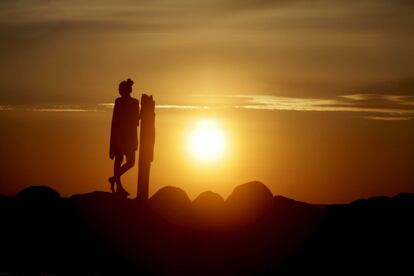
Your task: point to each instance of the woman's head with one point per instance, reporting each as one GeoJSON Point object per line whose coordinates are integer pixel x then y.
{"type": "Point", "coordinates": [125, 87]}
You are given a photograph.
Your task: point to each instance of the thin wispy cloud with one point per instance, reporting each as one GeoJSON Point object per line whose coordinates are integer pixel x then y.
{"type": "Point", "coordinates": [176, 106]}
{"type": "Point", "coordinates": [4, 108]}
{"type": "Point", "coordinates": [390, 118]}
{"type": "Point", "coordinates": [166, 106]}
{"type": "Point", "coordinates": [52, 108]}
{"type": "Point", "coordinates": [399, 99]}
{"type": "Point", "coordinates": [394, 107]}
{"type": "Point", "coordinates": [62, 110]}
{"type": "Point", "coordinates": [345, 103]}
{"type": "Point", "coordinates": [375, 106]}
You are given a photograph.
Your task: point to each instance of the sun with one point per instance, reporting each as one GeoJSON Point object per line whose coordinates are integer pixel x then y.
{"type": "Point", "coordinates": [206, 141]}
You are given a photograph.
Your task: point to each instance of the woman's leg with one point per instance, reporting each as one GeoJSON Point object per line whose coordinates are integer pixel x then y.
{"type": "Point", "coordinates": [130, 161]}
{"type": "Point", "coordinates": [116, 178]}
{"type": "Point", "coordinates": [119, 158]}
{"type": "Point", "coordinates": [120, 169]}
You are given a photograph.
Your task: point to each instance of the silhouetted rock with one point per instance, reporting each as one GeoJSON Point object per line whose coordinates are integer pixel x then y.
{"type": "Point", "coordinates": [99, 198]}
{"type": "Point", "coordinates": [208, 209]}
{"type": "Point", "coordinates": [4, 199]}
{"type": "Point", "coordinates": [171, 203]}
{"type": "Point", "coordinates": [95, 196]}
{"type": "Point", "coordinates": [290, 208]}
{"type": "Point", "coordinates": [405, 197]}
{"type": "Point", "coordinates": [101, 233]}
{"type": "Point", "coordinates": [99, 206]}
{"type": "Point", "coordinates": [208, 200]}
{"type": "Point", "coordinates": [38, 193]}
{"type": "Point", "coordinates": [249, 202]}
{"type": "Point", "coordinates": [284, 201]}
{"type": "Point", "coordinates": [38, 205]}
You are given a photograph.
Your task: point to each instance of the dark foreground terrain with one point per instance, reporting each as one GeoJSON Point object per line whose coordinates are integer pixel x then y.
{"type": "Point", "coordinates": [252, 232]}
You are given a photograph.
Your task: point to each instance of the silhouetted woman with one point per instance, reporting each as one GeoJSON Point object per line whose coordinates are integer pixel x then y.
{"type": "Point", "coordinates": [124, 138]}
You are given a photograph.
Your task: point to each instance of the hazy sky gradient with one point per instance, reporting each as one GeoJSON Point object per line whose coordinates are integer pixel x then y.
{"type": "Point", "coordinates": [317, 97]}
{"type": "Point", "coordinates": [76, 51]}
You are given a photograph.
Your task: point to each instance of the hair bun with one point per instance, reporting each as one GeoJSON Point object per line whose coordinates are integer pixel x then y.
{"type": "Point", "coordinates": [129, 82]}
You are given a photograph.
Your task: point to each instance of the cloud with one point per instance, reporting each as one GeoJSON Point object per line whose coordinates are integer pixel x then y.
{"type": "Point", "coordinates": [176, 106]}
{"type": "Point", "coordinates": [379, 118]}
{"type": "Point", "coordinates": [345, 103]}
{"type": "Point", "coordinates": [352, 16]}
{"type": "Point", "coordinates": [295, 47]}
{"type": "Point", "coordinates": [166, 106]}
{"type": "Point", "coordinates": [102, 107]}
{"type": "Point", "coordinates": [52, 108]}
{"type": "Point", "coordinates": [292, 47]}
{"type": "Point", "coordinates": [69, 109]}
{"type": "Point", "coordinates": [392, 108]}
{"type": "Point", "coordinates": [394, 99]}
{"type": "Point", "coordinates": [5, 108]}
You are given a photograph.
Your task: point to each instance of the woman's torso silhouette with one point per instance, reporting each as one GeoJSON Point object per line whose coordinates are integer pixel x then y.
{"type": "Point", "coordinates": [125, 120]}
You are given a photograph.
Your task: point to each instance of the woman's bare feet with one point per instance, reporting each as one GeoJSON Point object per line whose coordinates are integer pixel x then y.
{"type": "Point", "coordinates": [122, 192]}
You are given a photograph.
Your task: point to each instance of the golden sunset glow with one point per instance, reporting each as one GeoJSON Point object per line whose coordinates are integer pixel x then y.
{"type": "Point", "coordinates": [314, 100]}
{"type": "Point", "coordinates": [206, 140]}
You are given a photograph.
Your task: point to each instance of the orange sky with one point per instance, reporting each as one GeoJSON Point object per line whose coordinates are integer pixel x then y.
{"type": "Point", "coordinates": [316, 98]}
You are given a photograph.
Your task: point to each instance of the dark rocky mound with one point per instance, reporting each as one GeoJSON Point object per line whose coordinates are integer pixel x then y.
{"type": "Point", "coordinates": [38, 193]}
{"type": "Point", "coordinates": [102, 234]}
{"type": "Point", "coordinates": [208, 209]}
{"type": "Point", "coordinates": [99, 200]}
{"type": "Point", "coordinates": [96, 196]}
{"type": "Point", "coordinates": [290, 208]}
{"type": "Point", "coordinates": [208, 201]}
{"type": "Point", "coordinates": [171, 203]}
{"type": "Point", "coordinates": [249, 202]}
{"type": "Point", "coordinates": [281, 201]}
